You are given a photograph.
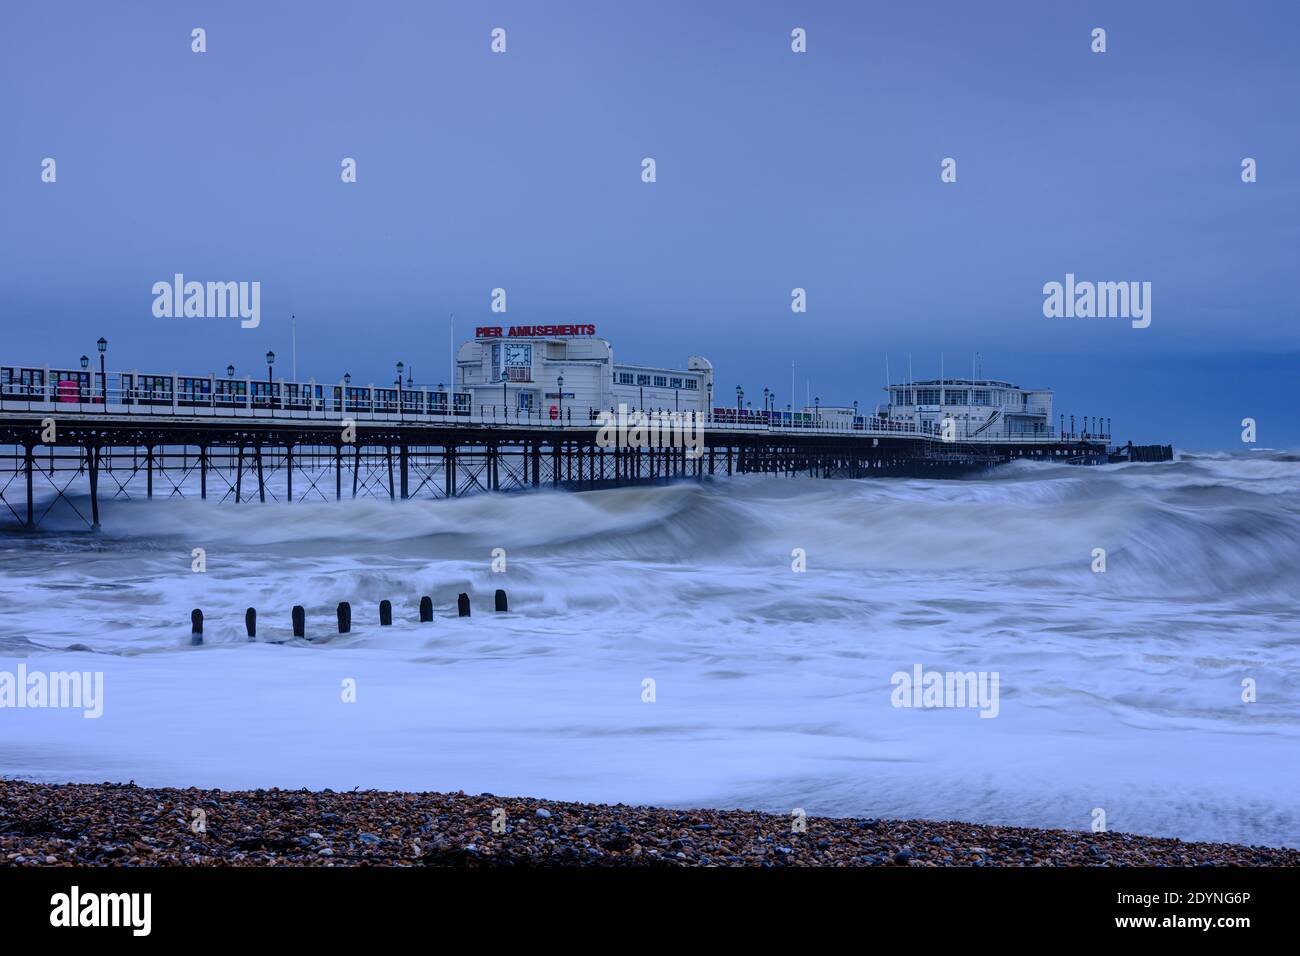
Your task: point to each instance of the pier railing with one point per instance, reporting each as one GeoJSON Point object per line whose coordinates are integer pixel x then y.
{"type": "Point", "coordinates": [48, 390]}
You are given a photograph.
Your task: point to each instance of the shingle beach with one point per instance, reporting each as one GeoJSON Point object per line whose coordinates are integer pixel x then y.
{"type": "Point", "coordinates": [126, 825]}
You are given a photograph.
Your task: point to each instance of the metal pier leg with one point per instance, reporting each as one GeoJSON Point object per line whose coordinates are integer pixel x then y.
{"type": "Point", "coordinates": [261, 482]}
{"type": "Point", "coordinates": [29, 461]}
{"type": "Point", "coordinates": [388, 453]}
{"type": "Point", "coordinates": [288, 468]}
{"type": "Point", "coordinates": [239, 475]}
{"type": "Point", "coordinates": [537, 463]}
{"type": "Point", "coordinates": [203, 472]}
{"type": "Point", "coordinates": [404, 454]}
{"type": "Point", "coordinates": [92, 456]}
{"type": "Point", "coordinates": [338, 472]}
{"type": "Point", "coordinates": [356, 468]}
{"type": "Point", "coordinates": [148, 464]}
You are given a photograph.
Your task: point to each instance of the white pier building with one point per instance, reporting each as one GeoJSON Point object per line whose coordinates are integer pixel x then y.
{"type": "Point", "coordinates": [980, 408]}
{"type": "Point", "coordinates": [566, 369]}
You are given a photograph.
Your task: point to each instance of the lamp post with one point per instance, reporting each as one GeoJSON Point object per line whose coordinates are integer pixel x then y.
{"type": "Point", "coordinates": [401, 367]}
{"type": "Point", "coordinates": [559, 382]}
{"type": "Point", "coordinates": [270, 387]}
{"type": "Point", "coordinates": [740, 398]}
{"type": "Point", "coordinates": [765, 395]}
{"type": "Point", "coordinates": [103, 375]}
{"type": "Point", "coordinates": [817, 411]}
{"type": "Point", "coordinates": [435, 400]}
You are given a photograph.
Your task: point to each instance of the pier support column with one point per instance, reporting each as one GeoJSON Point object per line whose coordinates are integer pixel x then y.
{"type": "Point", "coordinates": [356, 468]}
{"type": "Point", "coordinates": [338, 472]}
{"type": "Point", "coordinates": [92, 458]}
{"type": "Point", "coordinates": [288, 468]}
{"type": "Point", "coordinates": [203, 472]}
{"type": "Point", "coordinates": [404, 463]}
{"type": "Point", "coordinates": [388, 454]}
{"type": "Point", "coordinates": [239, 475]}
{"type": "Point", "coordinates": [148, 465]}
{"type": "Point", "coordinates": [29, 464]}
{"type": "Point", "coordinates": [261, 479]}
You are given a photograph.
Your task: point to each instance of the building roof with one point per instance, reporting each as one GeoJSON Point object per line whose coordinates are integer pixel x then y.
{"type": "Point", "coordinates": [968, 382]}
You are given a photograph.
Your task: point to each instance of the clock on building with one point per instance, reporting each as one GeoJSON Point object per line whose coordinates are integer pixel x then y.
{"type": "Point", "coordinates": [519, 355]}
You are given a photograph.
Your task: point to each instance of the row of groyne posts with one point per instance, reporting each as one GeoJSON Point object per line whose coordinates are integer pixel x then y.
{"type": "Point", "coordinates": [299, 616]}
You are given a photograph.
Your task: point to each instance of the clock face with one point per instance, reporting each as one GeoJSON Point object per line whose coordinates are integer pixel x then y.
{"type": "Point", "coordinates": [519, 355]}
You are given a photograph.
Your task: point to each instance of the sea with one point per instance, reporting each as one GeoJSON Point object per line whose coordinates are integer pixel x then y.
{"type": "Point", "coordinates": [733, 643]}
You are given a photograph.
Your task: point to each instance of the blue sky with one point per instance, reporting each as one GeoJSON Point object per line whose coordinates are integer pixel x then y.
{"type": "Point", "coordinates": [775, 170]}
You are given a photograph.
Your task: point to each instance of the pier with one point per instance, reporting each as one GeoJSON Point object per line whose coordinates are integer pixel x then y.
{"type": "Point", "coordinates": [73, 439]}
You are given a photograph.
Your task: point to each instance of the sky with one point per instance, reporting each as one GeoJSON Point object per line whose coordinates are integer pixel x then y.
{"type": "Point", "coordinates": [775, 170]}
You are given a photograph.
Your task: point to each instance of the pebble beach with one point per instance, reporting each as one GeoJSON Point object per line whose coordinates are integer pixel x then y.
{"type": "Point", "coordinates": [125, 825]}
